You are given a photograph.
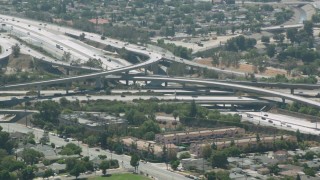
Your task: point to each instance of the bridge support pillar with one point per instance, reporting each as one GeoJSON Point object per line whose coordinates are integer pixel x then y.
{"type": "Point", "coordinates": [134, 82]}
{"type": "Point", "coordinates": [145, 71]}
{"type": "Point", "coordinates": [232, 106]}
{"type": "Point", "coordinates": [127, 82]}
{"type": "Point", "coordinates": [67, 88]}
{"type": "Point", "coordinates": [39, 90]}
{"type": "Point", "coordinates": [166, 84]}
{"type": "Point", "coordinates": [292, 91]}
{"type": "Point", "coordinates": [283, 100]}
{"type": "Point", "coordinates": [67, 71]}
{"type": "Point", "coordinates": [183, 85]}
{"type": "Point", "coordinates": [99, 83]}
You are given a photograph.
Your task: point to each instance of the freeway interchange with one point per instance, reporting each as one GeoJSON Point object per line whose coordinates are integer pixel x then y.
{"type": "Point", "coordinates": [49, 36]}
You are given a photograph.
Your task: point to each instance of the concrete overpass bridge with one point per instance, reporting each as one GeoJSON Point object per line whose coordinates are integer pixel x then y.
{"type": "Point", "coordinates": [15, 111]}
{"type": "Point", "coordinates": [290, 86]}
{"type": "Point", "coordinates": [210, 83]}
{"type": "Point", "coordinates": [282, 27]}
{"type": "Point", "coordinates": [228, 85]}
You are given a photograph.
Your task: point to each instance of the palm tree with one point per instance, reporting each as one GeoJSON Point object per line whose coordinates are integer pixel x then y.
{"type": "Point", "coordinates": [175, 115]}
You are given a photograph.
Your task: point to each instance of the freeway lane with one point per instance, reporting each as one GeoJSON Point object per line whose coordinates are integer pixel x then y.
{"type": "Point", "coordinates": [280, 121]}
{"type": "Point", "coordinates": [119, 44]}
{"type": "Point", "coordinates": [57, 30]}
{"type": "Point", "coordinates": [27, 50]}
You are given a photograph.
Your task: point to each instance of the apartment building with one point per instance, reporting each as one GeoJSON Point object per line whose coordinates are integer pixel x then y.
{"type": "Point", "coordinates": [132, 144]}
{"type": "Point", "coordinates": [196, 148]}
{"type": "Point", "coordinates": [202, 135]}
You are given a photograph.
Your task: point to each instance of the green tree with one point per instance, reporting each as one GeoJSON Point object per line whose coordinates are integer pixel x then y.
{"type": "Point", "coordinates": [5, 175]}
{"type": "Point", "coordinates": [71, 149]}
{"type": "Point", "coordinates": [70, 163]}
{"type": "Point", "coordinates": [298, 177]}
{"type": "Point", "coordinates": [309, 171]}
{"type": "Point", "coordinates": [101, 156]}
{"type": "Point", "coordinates": [309, 155]}
{"type": "Point", "coordinates": [219, 159]}
{"type": "Point", "coordinates": [91, 140]}
{"type": "Point", "coordinates": [215, 60]}
{"type": "Point", "coordinates": [193, 109]}
{"type": "Point", "coordinates": [66, 57]}
{"type": "Point", "coordinates": [175, 114]}
{"type": "Point", "coordinates": [184, 155]}
{"type": "Point", "coordinates": [16, 50]}
{"type": "Point", "coordinates": [271, 50]}
{"type": "Point", "coordinates": [5, 142]}
{"type": "Point", "coordinates": [308, 27]}
{"type": "Point", "coordinates": [274, 169]}
{"type": "Point", "coordinates": [3, 153]}
{"type": "Point", "coordinates": [82, 36]}
{"type": "Point", "coordinates": [11, 164]}
{"type": "Point", "coordinates": [49, 111]}
{"type": "Point", "coordinates": [175, 164]}
{"type": "Point", "coordinates": [31, 156]}
{"type": "Point", "coordinates": [206, 151]}
{"type": "Point", "coordinates": [45, 138]}
{"type": "Point", "coordinates": [291, 34]}
{"type": "Point", "coordinates": [233, 29]}
{"type": "Point", "coordinates": [223, 175]}
{"type": "Point", "coordinates": [134, 162]}
{"type": "Point", "coordinates": [299, 136]}
{"type": "Point", "coordinates": [265, 39]}
{"type": "Point", "coordinates": [48, 173]}
{"type": "Point", "coordinates": [258, 138]}
{"type": "Point", "coordinates": [104, 165]}
{"type": "Point", "coordinates": [77, 169]}
{"type": "Point", "coordinates": [27, 173]}
{"type": "Point", "coordinates": [211, 175]}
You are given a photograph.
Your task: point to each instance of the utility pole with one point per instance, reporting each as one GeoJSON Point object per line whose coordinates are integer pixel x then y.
{"type": "Point", "coordinates": [25, 113]}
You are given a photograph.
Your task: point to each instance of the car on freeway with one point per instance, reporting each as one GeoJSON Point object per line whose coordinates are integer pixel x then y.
{"type": "Point", "coordinates": [122, 95]}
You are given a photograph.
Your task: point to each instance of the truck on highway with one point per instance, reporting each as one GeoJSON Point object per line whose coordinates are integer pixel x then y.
{"type": "Point", "coordinates": [58, 46]}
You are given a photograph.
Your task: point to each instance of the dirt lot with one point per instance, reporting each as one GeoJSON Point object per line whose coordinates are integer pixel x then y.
{"type": "Point", "coordinates": [245, 68]}
{"type": "Point", "coordinates": [22, 63]}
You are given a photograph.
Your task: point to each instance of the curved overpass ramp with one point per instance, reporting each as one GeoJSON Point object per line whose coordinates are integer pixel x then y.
{"type": "Point", "coordinates": [6, 49]}
{"type": "Point", "coordinates": [82, 77]}
{"type": "Point", "coordinates": [230, 86]}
